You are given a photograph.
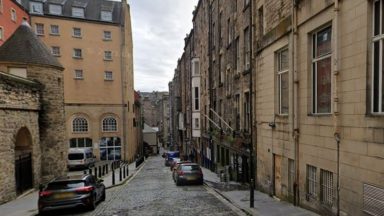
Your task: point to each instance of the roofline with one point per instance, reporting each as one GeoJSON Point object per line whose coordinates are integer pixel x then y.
{"type": "Point", "coordinates": [21, 6]}
{"type": "Point", "coordinates": [23, 64]}
{"type": "Point", "coordinates": [76, 19]}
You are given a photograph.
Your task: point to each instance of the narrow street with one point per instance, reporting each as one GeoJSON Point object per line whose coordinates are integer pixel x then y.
{"type": "Point", "coordinates": [153, 192]}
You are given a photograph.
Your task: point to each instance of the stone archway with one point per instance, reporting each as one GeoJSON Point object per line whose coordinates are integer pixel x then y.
{"type": "Point", "coordinates": [23, 160]}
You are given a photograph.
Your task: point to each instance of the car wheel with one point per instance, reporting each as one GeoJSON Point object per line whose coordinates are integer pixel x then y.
{"type": "Point", "coordinates": [92, 204]}
{"type": "Point", "coordinates": [103, 196]}
{"type": "Point", "coordinates": [42, 213]}
{"type": "Point", "coordinates": [178, 183]}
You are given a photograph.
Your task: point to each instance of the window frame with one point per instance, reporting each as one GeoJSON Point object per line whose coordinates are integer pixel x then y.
{"type": "Point", "coordinates": [55, 33]}
{"type": "Point", "coordinates": [311, 181]}
{"type": "Point", "coordinates": [103, 12]}
{"type": "Point", "coordinates": [76, 30]}
{"type": "Point", "coordinates": [81, 15]}
{"type": "Point", "coordinates": [279, 74]}
{"type": "Point", "coordinates": [314, 60]}
{"type": "Point", "coordinates": [77, 56]}
{"type": "Point", "coordinates": [106, 77]}
{"type": "Point", "coordinates": [42, 30]}
{"type": "Point", "coordinates": [32, 8]}
{"type": "Point", "coordinates": [108, 55]}
{"type": "Point", "coordinates": [247, 49]}
{"type": "Point", "coordinates": [82, 123]}
{"type": "Point", "coordinates": [57, 6]}
{"type": "Point", "coordinates": [107, 38]}
{"type": "Point", "coordinates": [13, 15]}
{"type": "Point", "coordinates": [1, 33]}
{"type": "Point", "coordinates": [377, 38]}
{"type": "Point", "coordinates": [109, 128]}
{"type": "Point", "coordinates": [78, 74]}
{"type": "Point", "coordinates": [326, 188]}
{"type": "Point", "coordinates": [57, 48]}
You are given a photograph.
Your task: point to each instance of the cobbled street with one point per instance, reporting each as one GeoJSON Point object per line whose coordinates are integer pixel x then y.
{"type": "Point", "coordinates": [153, 192]}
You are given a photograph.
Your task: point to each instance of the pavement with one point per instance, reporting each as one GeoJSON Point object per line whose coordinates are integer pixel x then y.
{"type": "Point", "coordinates": [26, 204]}
{"type": "Point", "coordinates": [239, 196]}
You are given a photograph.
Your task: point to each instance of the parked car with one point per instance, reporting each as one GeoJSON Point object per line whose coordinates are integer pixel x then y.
{"type": "Point", "coordinates": [189, 173]}
{"type": "Point", "coordinates": [175, 168]}
{"type": "Point", "coordinates": [70, 192]}
{"type": "Point", "coordinates": [169, 157]}
{"type": "Point", "coordinates": [80, 158]}
{"type": "Point", "coordinates": [173, 162]}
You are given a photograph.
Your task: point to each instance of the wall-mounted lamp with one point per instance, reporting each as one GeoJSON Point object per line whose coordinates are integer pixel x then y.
{"type": "Point", "coordinates": [337, 137]}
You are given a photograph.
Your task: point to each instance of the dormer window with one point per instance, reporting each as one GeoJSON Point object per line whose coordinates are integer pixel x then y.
{"type": "Point", "coordinates": [106, 16]}
{"type": "Point", "coordinates": [55, 9]}
{"type": "Point", "coordinates": [78, 12]}
{"type": "Point", "coordinates": [36, 7]}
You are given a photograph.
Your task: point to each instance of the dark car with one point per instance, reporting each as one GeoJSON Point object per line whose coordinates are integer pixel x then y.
{"type": "Point", "coordinates": [174, 168]}
{"type": "Point", "coordinates": [70, 192]}
{"type": "Point", "coordinates": [189, 173]}
{"type": "Point", "coordinates": [169, 157]}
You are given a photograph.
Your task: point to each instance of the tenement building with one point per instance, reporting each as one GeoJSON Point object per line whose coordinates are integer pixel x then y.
{"type": "Point", "coordinates": [93, 41]}
{"type": "Point", "coordinates": [32, 122]}
{"type": "Point", "coordinates": [295, 89]}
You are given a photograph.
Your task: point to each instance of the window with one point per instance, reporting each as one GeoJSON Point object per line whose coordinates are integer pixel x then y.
{"type": "Point", "coordinates": [196, 67]}
{"type": "Point", "coordinates": [229, 31]}
{"type": "Point", "coordinates": [246, 3]}
{"type": "Point", "coordinates": [55, 30]}
{"type": "Point", "coordinates": [326, 187]}
{"type": "Point", "coordinates": [106, 15]}
{"type": "Point", "coordinates": [77, 32]}
{"type": "Point", "coordinates": [108, 55]}
{"type": "Point", "coordinates": [78, 12]}
{"type": "Point", "coordinates": [110, 148]}
{"type": "Point", "coordinates": [291, 176]}
{"type": "Point", "coordinates": [55, 9]}
{"type": "Point", "coordinates": [36, 7]}
{"type": "Point", "coordinates": [109, 124]}
{"type": "Point", "coordinates": [107, 35]}
{"type": "Point", "coordinates": [321, 71]}
{"type": "Point", "coordinates": [247, 49]}
{"type": "Point", "coordinates": [79, 124]}
{"type": "Point", "coordinates": [39, 29]}
{"type": "Point", "coordinates": [373, 199]}
{"type": "Point", "coordinates": [261, 25]}
{"type": "Point", "coordinates": [197, 123]}
{"type": "Point", "coordinates": [282, 81]}
{"type": "Point", "coordinates": [108, 75]}
{"type": "Point", "coordinates": [237, 56]}
{"type": "Point", "coordinates": [213, 36]}
{"type": "Point", "coordinates": [311, 181]}
{"type": "Point", "coordinates": [377, 92]}
{"type": "Point", "coordinates": [56, 51]}
{"type": "Point", "coordinates": [196, 98]}
{"type": "Point", "coordinates": [237, 111]}
{"type": "Point", "coordinates": [77, 53]}
{"type": "Point", "coordinates": [80, 143]}
{"type": "Point", "coordinates": [1, 33]}
{"type": "Point", "coordinates": [79, 74]}
{"type": "Point", "coordinates": [13, 15]}
{"type": "Point", "coordinates": [221, 68]}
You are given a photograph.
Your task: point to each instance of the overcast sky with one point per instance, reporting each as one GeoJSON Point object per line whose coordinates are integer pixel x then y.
{"type": "Point", "coordinates": [159, 28]}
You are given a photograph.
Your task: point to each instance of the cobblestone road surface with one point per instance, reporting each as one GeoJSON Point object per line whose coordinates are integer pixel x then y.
{"type": "Point", "coordinates": [153, 192]}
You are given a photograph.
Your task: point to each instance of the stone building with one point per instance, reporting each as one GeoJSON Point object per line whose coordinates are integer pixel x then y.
{"type": "Point", "coordinates": [93, 41]}
{"type": "Point", "coordinates": [302, 82]}
{"type": "Point", "coordinates": [32, 123]}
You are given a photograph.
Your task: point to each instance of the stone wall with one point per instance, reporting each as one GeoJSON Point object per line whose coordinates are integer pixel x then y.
{"type": "Point", "coordinates": [19, 108]}
{"type": "Point", "coordinates": [51, 120]}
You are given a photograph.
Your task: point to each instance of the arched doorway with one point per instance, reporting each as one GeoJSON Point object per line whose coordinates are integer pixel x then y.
{"type": "Point", "coordinates": [23, 160]}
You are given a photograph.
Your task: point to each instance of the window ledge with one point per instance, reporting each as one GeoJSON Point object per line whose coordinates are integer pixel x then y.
{"type": "Point", "coordinates": [106, 39]}
{"type": "Point", "coordinates": [320, 114]}
{"type": "Point", "coordinates": [79, 37]}
{"type": "Point", "coordinates": [108, 80]}
{"type": "Point", "coordinates": [53, 34]}
{"type": "Point", "coordinates": [75, 57]}
{"type": "Point", "coordinates": [108, 59]}
{"type": "Point", "coordinates": [78, 78]}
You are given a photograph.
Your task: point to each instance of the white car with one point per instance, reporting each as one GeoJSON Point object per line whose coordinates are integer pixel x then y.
{"type": "Point", "coordinates": [80, 157]}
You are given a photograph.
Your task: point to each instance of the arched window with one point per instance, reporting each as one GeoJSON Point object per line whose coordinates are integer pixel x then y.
{"type": "Point", "coordinates": [109, 124]}
{"type": "Point", "coordinates": [80, 124]}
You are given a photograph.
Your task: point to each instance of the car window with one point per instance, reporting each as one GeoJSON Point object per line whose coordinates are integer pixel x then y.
{"type": "Point", "coordinates": [65, 185]}
{"type": "Point", "coordinates": [190, 167]}
{"type": "Point", "coordinates": [75, 156]}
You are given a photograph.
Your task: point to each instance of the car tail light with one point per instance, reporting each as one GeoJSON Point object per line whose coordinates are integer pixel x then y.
{"type": "Point", "coordinates": [180, 172]}
{"type": "Point", "coordinates": [85, 189]}
{"type": "Point", "coordinates": [45, 193]}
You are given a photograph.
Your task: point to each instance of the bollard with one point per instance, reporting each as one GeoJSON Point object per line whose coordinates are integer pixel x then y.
{"type": "Point", "coordinates": [127, 170]}
{"type": "Point", "coordinates": [103, 170]}
{"type": "Point", "coordinates": [123, 172]}
{"type": "Point", "coordinates": [99, 171]}
{"type": "Point", "coordinates": [120, 176]}
{"type": "Point", "coordinates": [90, 171]}
{"type": "Point", "coordinates": [106, 171]}
{"type": "Point", "coordinates": [96, 172]}
{"type": "Point", "coordinates": [113, 177]}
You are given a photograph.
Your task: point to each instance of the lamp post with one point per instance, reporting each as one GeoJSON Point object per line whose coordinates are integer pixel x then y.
{"type": "Point", "coordinates": [249, 148]}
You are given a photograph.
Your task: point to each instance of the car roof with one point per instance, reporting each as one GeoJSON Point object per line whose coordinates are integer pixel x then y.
{"type": "Point", "coordinates": [70, 178]}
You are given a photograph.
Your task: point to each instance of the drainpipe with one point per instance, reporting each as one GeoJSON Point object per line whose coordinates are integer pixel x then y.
{"type": "Point", "coordinates": [123, 61]}
{"type": "Point", "coordinates": [295, 107]}
{"type": "Point", "coordinates": [335, 97]}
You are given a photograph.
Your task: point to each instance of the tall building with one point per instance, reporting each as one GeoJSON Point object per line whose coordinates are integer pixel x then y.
{"type": "Point", "coordinates": [93, 41]}
{"type": "Point", "coordinates": [294, 88]}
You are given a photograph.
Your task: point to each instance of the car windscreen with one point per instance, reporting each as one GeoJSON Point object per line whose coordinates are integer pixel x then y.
{"type": "Point", "coordinates": [190, 167]}
{"type": "Point", "coordinates": [75, 156]}
{"type": "Point", "coordinates": [62, 185]}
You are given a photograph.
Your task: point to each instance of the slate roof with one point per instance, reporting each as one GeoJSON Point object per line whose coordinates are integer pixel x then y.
{"type": "Point", "coordinates": [25, 47]}
{"type": "Point", "coordinates": [92, 8]}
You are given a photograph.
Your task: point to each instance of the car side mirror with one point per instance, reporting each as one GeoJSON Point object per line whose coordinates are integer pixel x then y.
{"type": "Point", "coordinates": [41, 187]}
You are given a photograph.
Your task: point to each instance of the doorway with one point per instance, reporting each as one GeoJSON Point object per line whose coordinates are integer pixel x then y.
{"type": "Point", "coordinates": [23, 161]}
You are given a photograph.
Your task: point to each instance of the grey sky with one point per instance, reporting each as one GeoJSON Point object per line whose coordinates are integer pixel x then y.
{"type": "Point", "coordinates": [159, 28]}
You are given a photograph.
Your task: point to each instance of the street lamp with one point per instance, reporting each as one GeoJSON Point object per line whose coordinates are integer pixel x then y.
{"type": "Point", "coordinates": [249, 148]}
